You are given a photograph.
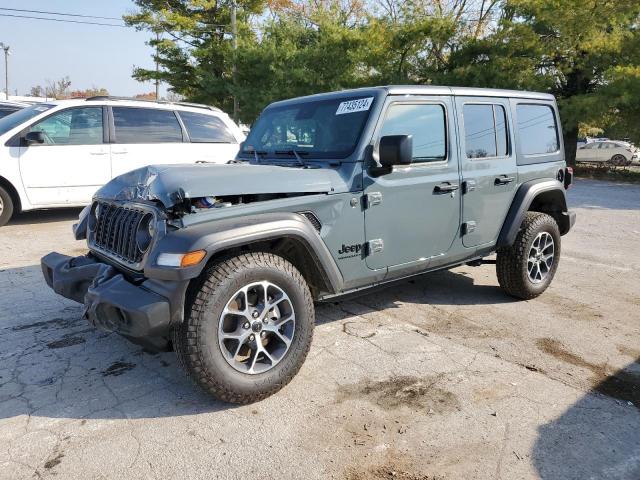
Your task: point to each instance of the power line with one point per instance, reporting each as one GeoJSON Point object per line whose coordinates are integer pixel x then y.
{"type": "Point", "coordinates": [59, 13]}
{"type": "Point", "coordinates": [62, 20]}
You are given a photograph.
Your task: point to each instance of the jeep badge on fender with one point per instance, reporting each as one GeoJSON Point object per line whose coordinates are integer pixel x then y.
{"type": "Point", "coordinates": [223, 263]}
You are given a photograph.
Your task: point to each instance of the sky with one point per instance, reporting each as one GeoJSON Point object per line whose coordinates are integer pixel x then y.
{"type": "Point", "coordinates": [91, 55]}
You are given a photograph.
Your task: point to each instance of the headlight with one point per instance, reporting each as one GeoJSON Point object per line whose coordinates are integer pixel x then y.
{"type": "Point", "coordinates": [145, 233]}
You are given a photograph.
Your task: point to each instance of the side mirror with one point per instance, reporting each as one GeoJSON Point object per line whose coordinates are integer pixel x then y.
{"type": "Point", "coordinates": [32, 138]}
{"type": "Point", "coordinates": [396, 150]}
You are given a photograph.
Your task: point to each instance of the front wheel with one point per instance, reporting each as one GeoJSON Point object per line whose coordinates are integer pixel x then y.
{"type": "Point", "coordinates": [6, 207]}
{"type": "Point", "coordinates": [526, 268]}
{"type": "Point", "coordinates": [248, 328]}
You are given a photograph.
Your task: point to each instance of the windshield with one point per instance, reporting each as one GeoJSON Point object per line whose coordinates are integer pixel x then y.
{"type": "Point", "coordinates": [16, 118]}
{"type": "Point", "coordinates": [311, 129]}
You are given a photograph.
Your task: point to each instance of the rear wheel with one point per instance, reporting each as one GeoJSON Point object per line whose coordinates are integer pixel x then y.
{"type": "Point", "coordinates": [526, 268]}
{"type": "Point", "coordinates": [619, 161]}
{"type": "Point", "coordinates": [6, 207]}
{"type": "Point", "coordinates": [248, 329]}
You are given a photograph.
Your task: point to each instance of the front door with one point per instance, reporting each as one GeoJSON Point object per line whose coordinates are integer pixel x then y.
{"type": "Point", "coordinates": [72, 163]}
{"type": "Point", "coordinates": [489, 171]}
{"type": "Point", "coordinates": [413, 213]}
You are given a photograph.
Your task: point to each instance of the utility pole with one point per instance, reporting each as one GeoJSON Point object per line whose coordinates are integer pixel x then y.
{"type": "Point", "coordinates": [234, 40]}
{"type": "Point", "coordinates": [6, 68]}
{"type": "Point", "coordinates": [157, 67]}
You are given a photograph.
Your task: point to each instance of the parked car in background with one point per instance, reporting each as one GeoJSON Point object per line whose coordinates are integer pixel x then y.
{"type": "Point", "coordinates": [57, 154]}
{"type": "Point", "coordinates": [616, 153]}
{"type": "Point", "coordinates": [7, 108]}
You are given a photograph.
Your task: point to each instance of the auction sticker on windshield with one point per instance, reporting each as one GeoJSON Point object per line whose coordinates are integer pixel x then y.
{"type": "Point", "coordinates": [352, 106]}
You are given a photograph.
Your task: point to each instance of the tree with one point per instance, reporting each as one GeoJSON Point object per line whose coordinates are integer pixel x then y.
{"type": "Point", "coordinates": [89, 92]}
{"type": "Point", "coordinates": [585, 52]}
{"type": "Point", "coordinates": [195, 55]}
{"type": "Point", "coordinates": [58, 88]}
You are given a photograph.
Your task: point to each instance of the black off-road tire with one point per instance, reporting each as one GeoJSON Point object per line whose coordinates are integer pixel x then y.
{"type": "Point", "coordinates": [196, 339]}
{"type": "Point", "coordinates": [6, 203]}
{"type": "Point", "coordinates": [511, 264]}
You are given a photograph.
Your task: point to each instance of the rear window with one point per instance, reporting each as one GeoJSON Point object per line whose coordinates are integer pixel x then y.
{"type": "Point", "coordinates": [537, 129]}
{"type": "Point", "coordinates": [146, 125]}
{"type": "Point", "coordinates": [206, 128]}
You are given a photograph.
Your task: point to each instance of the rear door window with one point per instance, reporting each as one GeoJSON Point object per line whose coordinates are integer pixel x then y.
{"type": "Point", "coordinates": [146, 125]}
{"type": "Point", "coordinates": [206, 128]}
{"type": "Point", "coordinates": [537, 129]}
{"type": "Point", "coordinates": [485, 128]}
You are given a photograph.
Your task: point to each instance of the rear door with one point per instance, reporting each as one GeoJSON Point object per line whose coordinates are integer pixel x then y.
{"type": "Point", "coordinates": [410, 217]}
{"type": "Point", "coordinates": [72, 163]}
{"type": "Point", "coordinates": [489, 171]}
{"type": "Point", "coordinates": [210, 139]}
{"type": "Point", "coordinates": [145, 136]}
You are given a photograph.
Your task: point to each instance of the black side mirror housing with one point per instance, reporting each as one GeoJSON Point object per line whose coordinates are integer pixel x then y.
{"type": "Point", "coordinates": [396, 150]}
{"type": "Point", "coordinates": [32, 138]}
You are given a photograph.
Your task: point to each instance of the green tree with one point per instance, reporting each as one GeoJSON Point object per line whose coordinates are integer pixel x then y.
{"type": "Point", "coordinates": [194, 51]}
{"type": "Point", "coordinates": [583, 51]}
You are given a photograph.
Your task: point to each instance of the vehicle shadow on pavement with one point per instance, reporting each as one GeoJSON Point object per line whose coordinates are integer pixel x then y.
{"type": "Point", "coordinates": [45, 216]}
{"type": "Point", "coordinates": [53, 364]}
{"type": "Point", "coordinates": [597, 437]}
{"type": "Point", "coordinates": [443, 287]}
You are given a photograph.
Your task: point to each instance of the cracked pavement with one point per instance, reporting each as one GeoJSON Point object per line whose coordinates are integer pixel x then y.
{"type": "Point", "coordinates": [440, 377]}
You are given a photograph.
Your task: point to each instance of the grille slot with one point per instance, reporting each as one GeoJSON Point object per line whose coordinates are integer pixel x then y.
{"type": "Point", "coordinates": [115, 231]}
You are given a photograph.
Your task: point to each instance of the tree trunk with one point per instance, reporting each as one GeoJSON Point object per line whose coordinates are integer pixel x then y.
{"type": "Point", "coordinates": [571, 144]}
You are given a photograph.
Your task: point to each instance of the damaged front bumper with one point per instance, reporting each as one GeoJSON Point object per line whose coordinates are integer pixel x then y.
{"type": "Point", "coordinates": [144, 312]}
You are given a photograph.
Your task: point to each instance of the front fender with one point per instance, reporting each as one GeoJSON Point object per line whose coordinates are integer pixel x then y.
{"type": "Point", "coordinates": [220, 235]}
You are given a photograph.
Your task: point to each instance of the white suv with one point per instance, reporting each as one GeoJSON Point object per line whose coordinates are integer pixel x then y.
{"type": "Point", "coordinates": [57, 154]}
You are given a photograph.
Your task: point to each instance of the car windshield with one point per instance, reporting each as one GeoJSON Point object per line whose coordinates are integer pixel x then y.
{"type": "Point", "coordinates": [16, 118]}
{"type": "Point", "coordinates": [310, 129]}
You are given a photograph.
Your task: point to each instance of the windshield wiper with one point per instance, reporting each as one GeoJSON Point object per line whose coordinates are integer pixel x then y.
{"type": "Point", "coordinates": [256, 154]}
{"type": "Point", "coordinates": [294, 152]}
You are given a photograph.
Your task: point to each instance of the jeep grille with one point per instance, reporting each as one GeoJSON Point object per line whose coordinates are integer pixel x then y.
{"type": "Point", "coordinates": [115, 231]}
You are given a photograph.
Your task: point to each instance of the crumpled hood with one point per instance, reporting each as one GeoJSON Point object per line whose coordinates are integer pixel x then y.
{"type": "Point", "coordinates": [169, 183]}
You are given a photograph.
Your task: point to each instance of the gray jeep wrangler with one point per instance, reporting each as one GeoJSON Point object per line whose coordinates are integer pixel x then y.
{"type": "Point", "coordinates": [330, 194]}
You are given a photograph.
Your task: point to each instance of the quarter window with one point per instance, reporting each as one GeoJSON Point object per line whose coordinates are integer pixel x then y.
{"type": "Point", "coordinates": [146, 125]}
{"type": "Point", "coordinates": [425, 122]}
{"type": "Point", "coordinates": [74, 126]}
{"type": "Point", "coordinates": [485, 128]}
{"type": "Point", "coordinates": [206, 128]}
{"type": "Point", "coordinates": [537, 129]}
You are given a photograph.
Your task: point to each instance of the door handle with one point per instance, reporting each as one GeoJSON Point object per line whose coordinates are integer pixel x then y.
{"type": "Point", "coordinates": [446, 188]}
{"type": "Point", "coordinates": [504, 180]}
{"type": "Point", "coordinates": [120, 152]}
{"type": "Point", "coordinates": [97, 153]}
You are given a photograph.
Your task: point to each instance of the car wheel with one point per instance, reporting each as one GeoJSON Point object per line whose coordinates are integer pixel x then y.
{"type": "Point", "coordinates": [526, 268]}
{"type": "Point", "coordinates": [619, 160]}
{"type": "Point", "coordinates": [6, 207]}
{"type": "Point", "coordinates": [247, 328]}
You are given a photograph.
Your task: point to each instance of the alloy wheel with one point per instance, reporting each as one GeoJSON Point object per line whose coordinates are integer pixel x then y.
{"type": "Point", "coordinates": [541, 257]}
{"type": "Point", "coordinates": [256, 327]}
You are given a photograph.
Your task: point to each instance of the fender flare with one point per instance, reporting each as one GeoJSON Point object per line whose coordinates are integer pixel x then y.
{"type": "Point", "coordinates": [522, 201]}
{"type": "Point", "coordinates": [218, 236]}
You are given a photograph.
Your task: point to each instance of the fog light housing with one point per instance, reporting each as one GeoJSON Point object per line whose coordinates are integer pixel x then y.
{"type": "Point", "coordinates": [188, 259]}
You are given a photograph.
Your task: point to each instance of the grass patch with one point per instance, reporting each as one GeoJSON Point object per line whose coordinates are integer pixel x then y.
{"type": "Point", "coordinates": [613, 174]}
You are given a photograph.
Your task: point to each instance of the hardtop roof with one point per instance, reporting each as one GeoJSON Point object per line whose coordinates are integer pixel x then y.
{"type": "Point", "coordinates": [425, 90]}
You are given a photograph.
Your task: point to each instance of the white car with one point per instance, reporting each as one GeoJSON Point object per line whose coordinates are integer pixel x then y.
{"type": "Point", "coordinates": [615, 153]}
{"type": "Point", "coordinates": [57, 154]}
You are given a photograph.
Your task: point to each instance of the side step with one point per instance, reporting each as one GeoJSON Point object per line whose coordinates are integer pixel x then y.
{"type": "Point", "coordinates": [480, 261]}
